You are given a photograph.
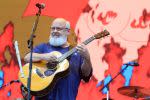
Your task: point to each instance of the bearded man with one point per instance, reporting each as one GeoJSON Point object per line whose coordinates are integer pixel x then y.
{"type": "Point", "coordinates": [80, 67]}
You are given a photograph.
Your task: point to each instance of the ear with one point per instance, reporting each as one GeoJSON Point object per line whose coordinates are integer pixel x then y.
{"type": "Point", "coordinates": [68, 27]}
{"type": "Point", "coordinates": [67, 32]}
{"type": "Point", "coordinates": [67, 24]}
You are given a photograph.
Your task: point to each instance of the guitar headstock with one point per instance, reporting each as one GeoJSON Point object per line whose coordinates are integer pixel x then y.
{"type": "Point", "coordinates": [101, 34]}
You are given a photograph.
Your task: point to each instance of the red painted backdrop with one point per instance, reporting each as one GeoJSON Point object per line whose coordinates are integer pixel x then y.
{"type": "Point", "coordinates": [129, 28]}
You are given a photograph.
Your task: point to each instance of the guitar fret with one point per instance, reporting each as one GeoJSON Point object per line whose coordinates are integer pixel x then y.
{"type": "Point", "coordinates": [89, 40]}
{"type": "Point", "coordinates": [64, 56]}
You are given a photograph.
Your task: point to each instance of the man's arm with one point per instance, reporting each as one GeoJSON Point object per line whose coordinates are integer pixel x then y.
{"type": "Point", "coordinates": [38, 57]}
{"type": "Point", "coordinates": [86, 68]}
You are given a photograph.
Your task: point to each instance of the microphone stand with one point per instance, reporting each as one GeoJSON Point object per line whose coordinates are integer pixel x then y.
{"type": "Point", "coordinates": [30, 45]}
{"type": "Point", "coordinates": [107, 97]}
{"type": "Point", "coordinates": [116, 76]}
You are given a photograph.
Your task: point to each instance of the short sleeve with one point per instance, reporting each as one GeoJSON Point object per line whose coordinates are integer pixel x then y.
{"type": "Point", "coordinates": [38, 48]}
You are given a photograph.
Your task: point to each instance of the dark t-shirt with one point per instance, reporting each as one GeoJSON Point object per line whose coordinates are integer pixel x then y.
{"type": "Point", "coordinates": [65, 88]}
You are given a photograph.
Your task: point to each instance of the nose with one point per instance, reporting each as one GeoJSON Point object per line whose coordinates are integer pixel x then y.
{"type": "Point", "coordinates": [55, 30]}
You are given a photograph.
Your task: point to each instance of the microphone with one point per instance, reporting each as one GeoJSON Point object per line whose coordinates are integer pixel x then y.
{"type": "Point", "coordinates": [40, 5]}
{"type": "Point", "coordinates": [132, 64]}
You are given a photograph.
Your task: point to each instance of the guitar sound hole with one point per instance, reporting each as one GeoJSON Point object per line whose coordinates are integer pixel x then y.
{"type": "Point", "coordinates": [49, 72]}
{"type": "Point", "coordinates": [51, 66]}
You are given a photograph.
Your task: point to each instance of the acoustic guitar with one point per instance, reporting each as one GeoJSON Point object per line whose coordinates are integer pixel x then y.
{"type": "Point", "coordinates": [44, 77]}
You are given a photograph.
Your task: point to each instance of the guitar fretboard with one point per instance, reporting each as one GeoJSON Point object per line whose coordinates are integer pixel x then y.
{"type": "Point", "coordinates": [67, 54]}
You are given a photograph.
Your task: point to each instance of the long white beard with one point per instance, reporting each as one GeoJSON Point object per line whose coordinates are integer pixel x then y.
{"type": "Point", "coordinates": [58, 41]}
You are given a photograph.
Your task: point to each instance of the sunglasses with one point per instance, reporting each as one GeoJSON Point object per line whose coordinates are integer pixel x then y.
{"type": "Point", "coordinates": [59, 28]}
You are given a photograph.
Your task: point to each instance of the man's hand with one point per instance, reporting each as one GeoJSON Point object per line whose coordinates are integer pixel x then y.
{"type": "Point", "coordinates": [52, 60]}
{"type": "Point", "coordinates": [83, 51]}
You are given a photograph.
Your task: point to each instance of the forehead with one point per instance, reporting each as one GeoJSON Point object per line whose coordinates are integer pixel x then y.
{"type": "Point", "coordinates": [58, 24]}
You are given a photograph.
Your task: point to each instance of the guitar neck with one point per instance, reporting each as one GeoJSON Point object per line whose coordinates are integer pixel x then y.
{"type": "Point", "coordinates": [67, 54]}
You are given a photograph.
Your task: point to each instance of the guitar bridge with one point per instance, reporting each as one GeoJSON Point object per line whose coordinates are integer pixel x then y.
{"type": "Point", "coordinates": [49, 72]}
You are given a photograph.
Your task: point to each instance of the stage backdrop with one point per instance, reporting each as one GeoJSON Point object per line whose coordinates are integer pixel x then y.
{"type": "Point", "coordinates": [128, 22]}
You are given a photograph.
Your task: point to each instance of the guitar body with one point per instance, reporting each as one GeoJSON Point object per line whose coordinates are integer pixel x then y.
{"type": "Point", "coordinates": [44, 79]}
